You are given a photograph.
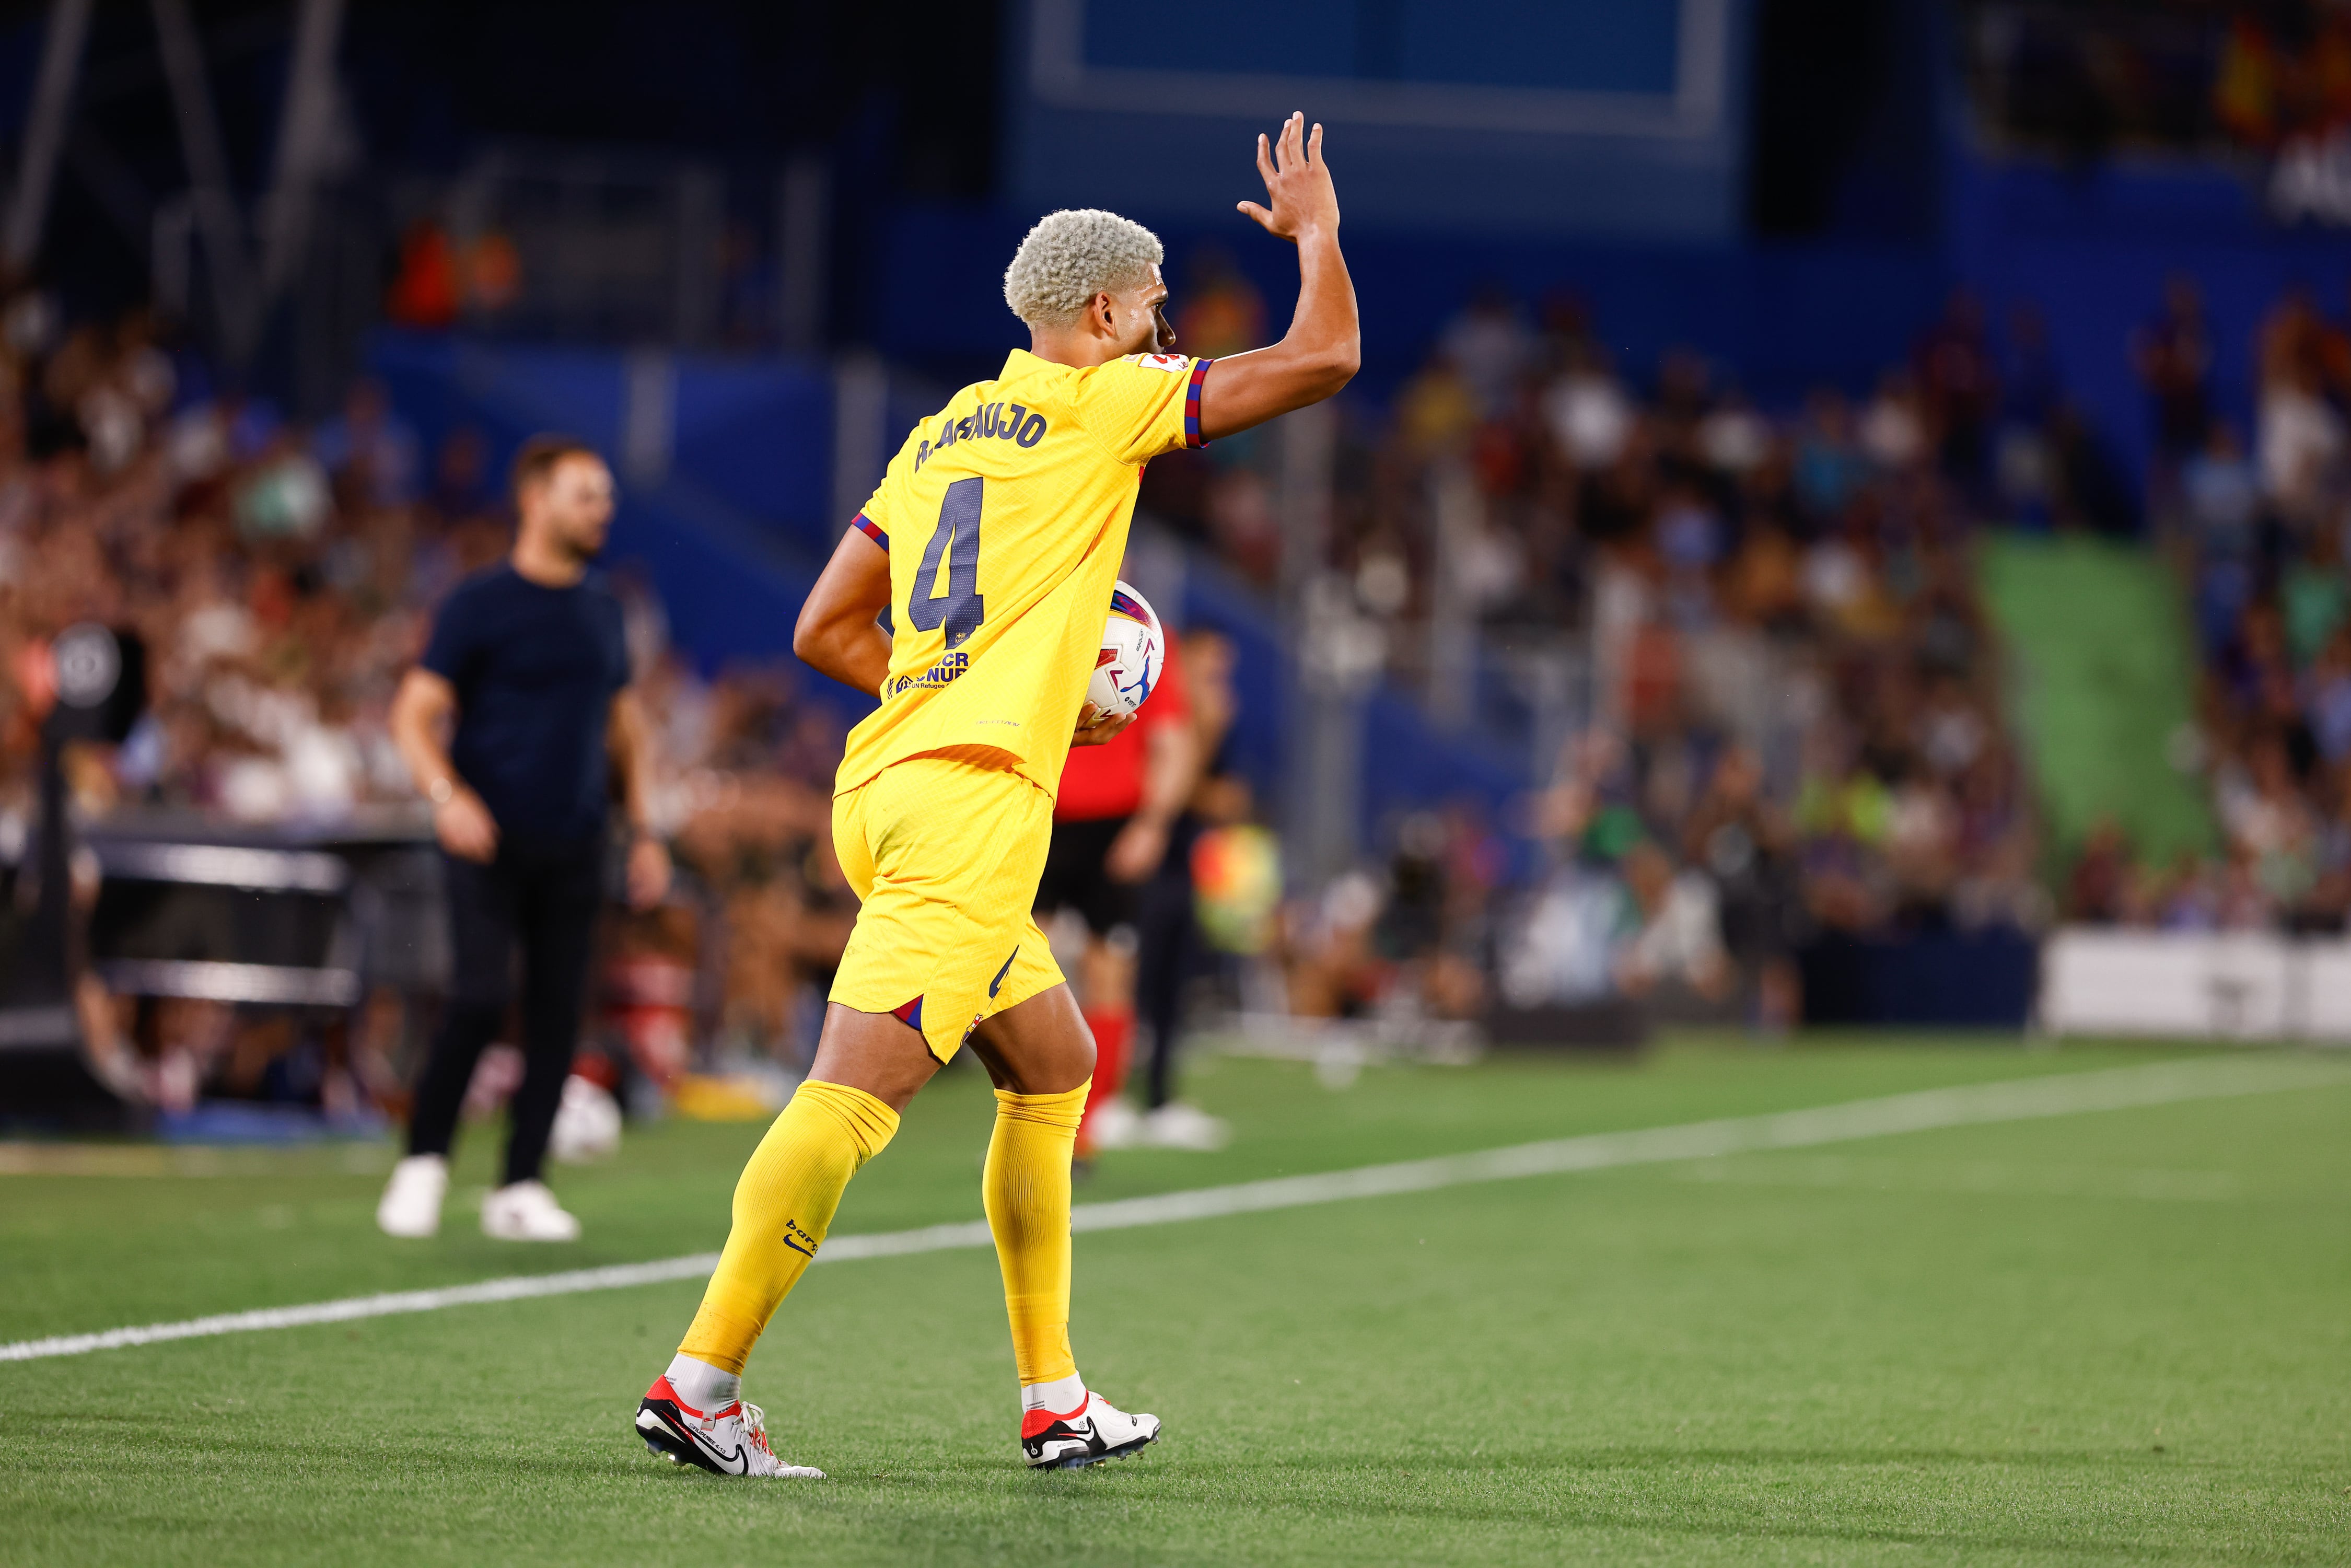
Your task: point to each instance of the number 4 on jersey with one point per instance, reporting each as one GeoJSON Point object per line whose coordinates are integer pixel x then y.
{"type": "Point", "coordinates": [957, 539]}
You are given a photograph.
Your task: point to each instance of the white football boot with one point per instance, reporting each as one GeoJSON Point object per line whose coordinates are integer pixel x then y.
{"type": "Point", "coordinates": [1096, 1430]}
{"type": "Point", "coordinates": [1114, 1124]}
{"type": "Point", "coordinates": [1176, 1125]}
{"type": "Point", "coordinates": [410, 1207]}
{"type": "Point", "coordinates": [729, 1442]}
{"type": "Point", "coordinates": [526, 1211]}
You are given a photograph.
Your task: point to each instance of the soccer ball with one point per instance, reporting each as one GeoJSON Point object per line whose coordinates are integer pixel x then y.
{"type": "Point", "coordinates": [1133, 652]}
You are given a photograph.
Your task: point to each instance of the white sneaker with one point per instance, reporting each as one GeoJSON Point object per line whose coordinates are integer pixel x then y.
{"type": "Point", "coordinates": [1115, 1124]}
{"type": "Point", "coordinates": [730, 1442]}
{"type": "Point", "coordinates": [1096, 1430]}
{"type": "Point", "coordinates": [1176, 1125]}
{"type": "Point", "coordinates": [411, 1199]}
{"type": "Point", "coordinates": [526, 1211]}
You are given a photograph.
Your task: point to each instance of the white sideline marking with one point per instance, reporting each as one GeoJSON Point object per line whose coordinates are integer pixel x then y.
{"type": "Point", "coordinates": [2014, 1100]}
{"type": "Point", "coordinates": [1840, 1172]}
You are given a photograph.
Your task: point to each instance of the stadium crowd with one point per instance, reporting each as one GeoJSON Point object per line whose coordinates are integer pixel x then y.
{"type": "Point", "coordinates": [2230, 75]}
{"type": "Point", "coordinates": [2257, 530]}
{"type": "Point", "coordinates": [1789, 721]}
{"type": "Point", "coordinates": [280, 580]}
{"type": "Point", "coordinates": [1795, 722]}
{"type": "Point", "coordinates": [1792, 721]}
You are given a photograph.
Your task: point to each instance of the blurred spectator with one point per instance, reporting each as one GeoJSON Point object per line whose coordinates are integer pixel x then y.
{"type": "Point", "coordinates": [1437, 408]}
{"type": "Point", "coordinates": [1828, 469]}
{"type": "Point", "coordinates": [462, 486]}
{"type": "Point", "coordinates": [1219, 311]}
{"type": "Point", "coordinates": [492, 274]}
{"type": "Point", "coordinates": [1490, 348]}
{"type": "Point", "coordinates": [1961, 384]}
{"type": "Point", "coordinates": [2300, 435]}
{"type": "Point", "coordinates": [425, 289]}
{"type": "Point", "coordinates": [1747, 845]}
{"type": "Point", "coordinates": [2172, 355]}
{"type": "Point", "coordinates": [369, 447]}
{"type": "Point", "coordinates": [1893, 432]}
{"type": "Point", "coordinates": [2220, 494]}
{"type": "Point", "coordinates": [1591, 416]}
{"type": "Point", "coordinates": [1677, 942]}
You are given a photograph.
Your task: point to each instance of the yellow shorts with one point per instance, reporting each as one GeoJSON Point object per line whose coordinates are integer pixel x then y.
{"type": "Point", "coordinates": [944, 856]}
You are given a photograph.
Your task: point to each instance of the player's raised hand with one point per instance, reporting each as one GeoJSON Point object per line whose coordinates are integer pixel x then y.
{"type": "Point", "coordinates": [1297, 182]}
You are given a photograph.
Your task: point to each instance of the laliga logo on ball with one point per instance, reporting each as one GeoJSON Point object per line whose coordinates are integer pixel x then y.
{"type": "Point", "coordinates": [1133, 652]}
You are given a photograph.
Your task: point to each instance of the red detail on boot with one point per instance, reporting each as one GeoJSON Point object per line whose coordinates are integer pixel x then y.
{"type": "Point", "coordinates": [661, 1390]}
{"type": "Point", "coordinates": [1035, 1423]}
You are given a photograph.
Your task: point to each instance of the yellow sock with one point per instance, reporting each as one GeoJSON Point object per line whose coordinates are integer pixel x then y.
{"type": "Point", "coordinates": [783, 1206]}
{"type": "Point", "coordinates": [1027, 1191]}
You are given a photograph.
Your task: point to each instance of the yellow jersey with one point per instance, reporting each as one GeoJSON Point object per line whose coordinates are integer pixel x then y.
{"type": "Point", "coordinates": [1006, 516]}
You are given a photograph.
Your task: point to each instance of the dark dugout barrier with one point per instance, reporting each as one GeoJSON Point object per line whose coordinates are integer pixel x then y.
{"type": "Point", "coordinates": [101, 687]}
{"type": "Point", "coordinates": [1975, 979]}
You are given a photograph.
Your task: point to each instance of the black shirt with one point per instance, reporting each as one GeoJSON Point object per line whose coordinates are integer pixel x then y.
{"type": "Point", "coordinates": [536, 670]}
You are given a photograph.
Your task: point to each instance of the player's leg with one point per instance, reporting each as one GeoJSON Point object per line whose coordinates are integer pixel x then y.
{"type": "Point", "coordinates": [917, 940]}
{"type": "Point", "coordinates": [868, 1067]}
{"type": "Point", "coordinates": [1167, 956]}
{"type": "Point", "coordinates": [481, 904]}
{"type": "Point", "coordinates": [1107, 974]}
{"type": "Point", "coordinates": [1040, 1055]}
{"type": "Point", "coordinates": [1161, 956]}
{"type": "Point", "coordinates": [1078, 878]}
{"type": "Point", "coordinates": [557, 905]}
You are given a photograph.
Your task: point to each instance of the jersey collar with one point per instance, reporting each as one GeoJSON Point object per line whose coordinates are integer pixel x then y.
{"type": "Point", "coordinates": [1021, 362]}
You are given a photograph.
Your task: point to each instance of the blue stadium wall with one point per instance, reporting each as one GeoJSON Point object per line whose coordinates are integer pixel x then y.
{"type": "Point", "coordinates": [1563, 117]}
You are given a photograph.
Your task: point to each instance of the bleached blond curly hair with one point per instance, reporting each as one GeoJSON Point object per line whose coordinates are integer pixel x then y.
{"type": "Point", "coordinates": [1071, 256]}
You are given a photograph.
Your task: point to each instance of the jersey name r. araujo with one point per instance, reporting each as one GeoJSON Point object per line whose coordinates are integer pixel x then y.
{"type": "Point", "coordinates": [989, 422]}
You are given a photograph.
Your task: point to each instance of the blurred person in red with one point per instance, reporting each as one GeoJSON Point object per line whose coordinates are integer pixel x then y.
{"type": "Point", "coordinates": [424, 291]}
{"type": "Point", "coordinates": [1113, 822]}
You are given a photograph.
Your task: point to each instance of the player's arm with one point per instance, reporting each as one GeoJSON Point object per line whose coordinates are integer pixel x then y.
{"type": "Point", "coordinates": [839, 631]}
{"type": "Point", "coordinates": [629, 741]}
{"type": "Point", "coordinates": [422, 713]}
{"type": "Point", "coordinates": [1324, 346]}
{"type": "Point", "coordinates": [1171, 766]}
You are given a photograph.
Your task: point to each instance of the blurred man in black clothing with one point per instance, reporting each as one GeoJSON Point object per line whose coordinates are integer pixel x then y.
{"type": "Point", "coordinates": [529, 665]}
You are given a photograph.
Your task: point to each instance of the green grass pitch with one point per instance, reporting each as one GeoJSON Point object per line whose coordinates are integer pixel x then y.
{"type": "Point", "coordinates": [2122, 1336]}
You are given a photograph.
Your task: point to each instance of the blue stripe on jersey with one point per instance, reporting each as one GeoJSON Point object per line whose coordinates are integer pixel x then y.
{"type": "Point", "coordinates": [1191, 436]}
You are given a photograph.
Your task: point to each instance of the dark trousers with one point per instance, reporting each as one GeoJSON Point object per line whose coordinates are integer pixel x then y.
{"type": "Point", "coordinates": [546, 904]}
{"type": "Point", "coordinates": [1167, 956]}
